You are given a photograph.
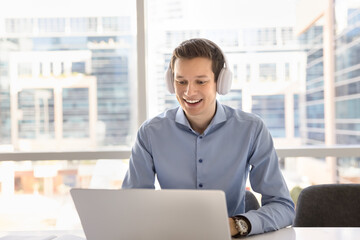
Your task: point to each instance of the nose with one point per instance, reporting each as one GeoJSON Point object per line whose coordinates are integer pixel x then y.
{"type": "Point", "coordinates": [190, 89]}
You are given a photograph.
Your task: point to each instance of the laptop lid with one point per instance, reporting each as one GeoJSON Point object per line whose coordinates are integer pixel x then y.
{"type": "Point", "coordinates": [152, 214]}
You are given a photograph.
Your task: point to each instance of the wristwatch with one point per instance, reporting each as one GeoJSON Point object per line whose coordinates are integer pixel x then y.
{"type": "Point", "coordinates": [243, 226]}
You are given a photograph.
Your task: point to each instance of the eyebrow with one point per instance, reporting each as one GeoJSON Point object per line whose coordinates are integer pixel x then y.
{"type": "Point", "coordinates": [198, 76]}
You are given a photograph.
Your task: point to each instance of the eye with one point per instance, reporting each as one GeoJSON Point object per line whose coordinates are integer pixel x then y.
{"type": "Point", "coordinates": [201, 82]}
{"type": "Point", "coordinates": [181, 82]}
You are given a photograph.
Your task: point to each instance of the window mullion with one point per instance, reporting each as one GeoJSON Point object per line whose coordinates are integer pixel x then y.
{"type": "Point", "coordinates": [141, 62]}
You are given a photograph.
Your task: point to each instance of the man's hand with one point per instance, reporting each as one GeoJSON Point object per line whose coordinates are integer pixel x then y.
{"type": "Point", "coordinates": [233, 230]}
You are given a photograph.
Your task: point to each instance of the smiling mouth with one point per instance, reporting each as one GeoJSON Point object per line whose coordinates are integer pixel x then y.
{"type": "Point", "coordinates": [192, 101]}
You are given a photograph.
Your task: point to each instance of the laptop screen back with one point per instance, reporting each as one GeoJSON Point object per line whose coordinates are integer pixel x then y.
{"type": "Point", "coordinates": [152, 214]}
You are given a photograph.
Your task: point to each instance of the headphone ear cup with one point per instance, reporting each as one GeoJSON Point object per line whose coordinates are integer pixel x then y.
{"type": "Point", "coordinates": [224, 81]}
{"type": "Point", "coordinates": [169, 79]}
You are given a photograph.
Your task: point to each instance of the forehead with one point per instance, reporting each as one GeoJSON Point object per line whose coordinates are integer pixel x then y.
{"type": "Point", "coordinates": [194, 65]}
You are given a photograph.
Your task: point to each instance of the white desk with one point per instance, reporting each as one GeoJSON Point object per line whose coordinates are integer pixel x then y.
{"type": "Point", "coordinates": [42, 235]}
{"type": "Point", "coordinates": [283, 234]}
{"type": "Point", "coordinates": [310, 234]}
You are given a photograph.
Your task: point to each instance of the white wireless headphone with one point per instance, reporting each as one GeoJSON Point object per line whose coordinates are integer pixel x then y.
{"type": "Point", "coordinates": [223, 84]}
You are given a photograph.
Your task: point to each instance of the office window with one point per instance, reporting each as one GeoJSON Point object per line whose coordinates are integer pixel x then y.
{"type": "Point", "coordinates": [36, 114]}
{"type": "Point", "coordinates": [262, 36]}
{"type": "Point", "coordinates": [76, 113]}
{"type": "Point", "coordinates": [244, 41]}
{"type": "Point", "coordinates": [315, 55]}
{"type": "Point", "coordinates": [348, 109]}
{"type": "Point", "coordinates": [267, 72]}
{"type": "Point", "coordinates": [5, 123]}
{"type": "Point", "coordinates": [315, 70]}
{"type": "Point", "coordinates": [88, 24]}
{"type": "Point", "coordinates": [89, 79]}
{"type": "Point", "coordinates": [116, 24]}
{"type": "Point", "coordinates": [287, 35]}
{"type": "Point", "coordinates": [316, 136]}
{"type": "Point", "coordinates": [315, 96]}
{"type": "Point", "coordinates": [67, 83]}
{"type": "Point", "coordinates": [317, 83]}
{"type": "Point", "coordinates": [287, 71]}
{"type": "Point", "coordinates": [296, 115]}
{"type": "Point", "coordinates": [348, 89]}
{"type": "Point", "coordinates": [53, 25]}
{"type": "Point", "coordinates": [315, 111]}
{"type": "Point", "coordinates": [272, 110]}
{"type": "Point", "coordinates": [248, 72]}
{"type": "Point", "coordinates": [344, 75]}
{"type": "Point", "coordinates": [316, 124]}
{"type": "Point", "coordinates": [25, 69]}
{"type": "Point", "coordinates": [312, 40]}
{"type": "Point", "coordinates": [235, 72]}
{"type": "Point", "coordinates": [78, 67]}
{"type": "Point", "coordinates": [347, 73]}
{"type": "Point", "coordinates": [19, 25]}
{"type": "Point", "coordinates": [232, 99]}
{"type": "Point", "coordinates": [266, 36]}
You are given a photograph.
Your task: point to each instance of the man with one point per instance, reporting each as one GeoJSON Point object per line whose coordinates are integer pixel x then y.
{"type": "Point", "coordinates": [206, 145]}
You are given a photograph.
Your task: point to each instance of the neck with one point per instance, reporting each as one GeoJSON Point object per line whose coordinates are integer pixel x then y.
{"type": "Point", "coordinates": [200, 123]}
{"type": "Point", "coordinates": [199, 126]}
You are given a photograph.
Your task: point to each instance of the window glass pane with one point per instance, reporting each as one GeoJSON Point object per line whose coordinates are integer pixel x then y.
{"type": "Point", "coordinates": [271, 58]}
{"type": "Point", "coordinates": [76, 119]}
{"type": "Point", "coordinates": [36, 110]}
{"type": "Point", "coordinates": [347, 73]}
{"type": "Point", "coordinates": [35, 194]}
{"type": "Point", "coordinates": [83, 24]}
{"type": "Point", "coordinates": [248, 72]}
{"type": "Point", "coordinates": [304, 171]}
{"type": "Point", "coordinates": [272, 110]}
{"type": "Point", "coordinates": [67, 83]}
{"type": "Point", "coordinates": [296, 116]}
{"type": "Point", "coordinates": [267, 72]}
{"type": "Point", "coordinates": [258, 48]}
{"type": "Point", "coordinates": [287, 71]}
{"type": "Point", "coordinates": [313, 106]}
{"type": "Point", "coordinates": [68, 76]}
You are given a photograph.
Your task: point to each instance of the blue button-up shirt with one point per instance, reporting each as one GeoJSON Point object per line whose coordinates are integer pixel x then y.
{"type": "Point", "coordinates": [234, 145]}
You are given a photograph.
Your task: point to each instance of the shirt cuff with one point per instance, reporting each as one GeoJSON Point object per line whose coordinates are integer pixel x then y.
{"type": "Point", "coordinates": [254, 221]}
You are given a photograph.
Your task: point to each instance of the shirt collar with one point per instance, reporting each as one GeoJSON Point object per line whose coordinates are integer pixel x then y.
{"type": "Point", "coordinates": [220, 116]}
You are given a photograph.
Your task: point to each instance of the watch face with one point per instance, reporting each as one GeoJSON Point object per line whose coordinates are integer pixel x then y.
{"type": "Point", "coordinates": [242, 226]}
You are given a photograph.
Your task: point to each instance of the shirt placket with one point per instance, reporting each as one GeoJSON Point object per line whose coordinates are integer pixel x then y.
{"type": "Point", "coordinates": [201, 184]}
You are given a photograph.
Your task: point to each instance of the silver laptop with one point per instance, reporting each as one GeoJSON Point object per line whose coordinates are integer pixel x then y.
{"type": "Point", "coordinates": [152, 214]}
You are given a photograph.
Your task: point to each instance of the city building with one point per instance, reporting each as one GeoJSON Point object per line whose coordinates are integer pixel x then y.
{"type": "Point", "coordinates": [69, 81]}
{"type": "Point", "coordinates": [268, 66]}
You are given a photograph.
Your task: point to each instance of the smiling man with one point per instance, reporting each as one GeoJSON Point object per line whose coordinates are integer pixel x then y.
{"type": "Point", "coordinates": [206, 145]}
{"type": "Point", "coordinates": [196, 90]}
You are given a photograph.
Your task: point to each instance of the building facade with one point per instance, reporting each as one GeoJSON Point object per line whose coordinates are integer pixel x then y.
{"type": "Point", "coordinates": [67, 81]}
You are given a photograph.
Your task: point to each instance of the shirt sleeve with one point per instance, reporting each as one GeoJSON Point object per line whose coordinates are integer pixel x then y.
{"type": "Point", "coordinates": [277, 209]}
{"type": "Point", "coordinates": [141, 172]}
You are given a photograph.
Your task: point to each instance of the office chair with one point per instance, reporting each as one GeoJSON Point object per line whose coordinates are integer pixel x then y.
{"type": "Point", "coordinates": [251, 203]}
{"type": "Point", "coordinates": [329, 205]}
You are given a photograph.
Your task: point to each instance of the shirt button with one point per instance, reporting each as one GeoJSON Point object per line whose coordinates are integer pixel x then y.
{"type": "Point", "coordinates": [200, 160]}
{"type": "Point", "coordinates": [200, 185]}
{"type": "Point", "coordinates": [201, 137]}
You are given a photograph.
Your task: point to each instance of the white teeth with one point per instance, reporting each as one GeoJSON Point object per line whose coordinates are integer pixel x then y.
{"type": "Point", "coordinates": [192, 101]}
